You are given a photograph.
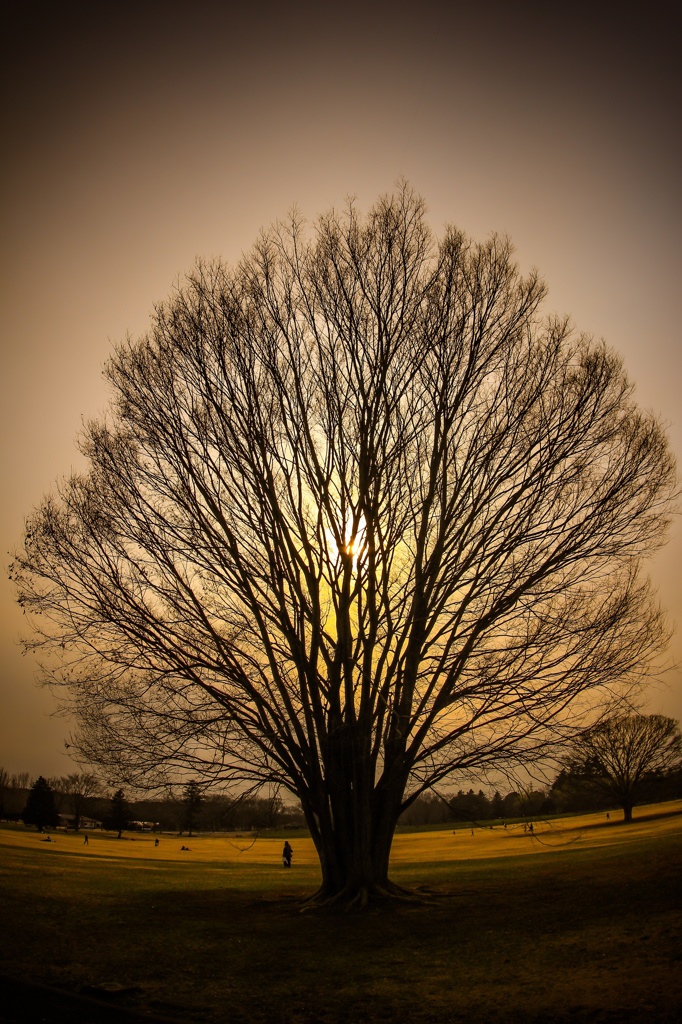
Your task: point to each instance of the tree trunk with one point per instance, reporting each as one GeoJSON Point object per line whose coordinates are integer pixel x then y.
{"type": "Point", "coordinates": [627, 812]}
{"type": "Point", "coordinates": [355, 868]}
{"type": "Point", "coordinates": [353, 833]}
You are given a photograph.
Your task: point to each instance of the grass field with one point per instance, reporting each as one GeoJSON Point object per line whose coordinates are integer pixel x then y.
{"type": "Point", "coordinates": [578, 922]}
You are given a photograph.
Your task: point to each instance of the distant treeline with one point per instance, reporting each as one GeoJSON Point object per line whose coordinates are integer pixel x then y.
{"type": "Point", "coordinates": [568, 793]}
{"type": "Point", "coordinates": [219, 812]}
{"type": "Point", "coordinates": [438, 809]}
{"type": "Point", "coordinates": [214, 813]}
{"type": "Point", "coordinates": [572, 792]}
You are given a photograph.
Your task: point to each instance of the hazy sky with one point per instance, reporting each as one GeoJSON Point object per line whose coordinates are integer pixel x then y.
{"type": "Point", "coordinates": [137, 140]}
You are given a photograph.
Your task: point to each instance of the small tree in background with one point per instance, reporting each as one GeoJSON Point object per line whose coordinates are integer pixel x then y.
{"type": "Point", "coordinates": [4, 785]}
{"type": "Point", "coordinates": [616, 755]}
{"type": "Point", "coordinates": [40, 809]}
{"type": "Point", "coordinates": [192, 799]}
{"type": "Point", "coordinates": [119, 814]}
{"type": "Point", "coordinates": [79, 787]}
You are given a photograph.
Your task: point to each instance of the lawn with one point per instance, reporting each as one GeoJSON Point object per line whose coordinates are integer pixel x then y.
{"type": "Point", "coordinates": [579, 921]}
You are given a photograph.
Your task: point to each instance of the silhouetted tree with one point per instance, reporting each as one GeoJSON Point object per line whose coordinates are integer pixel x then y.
{"type": "Point", "coordinates": [79, 787]}
{"type": "Point", "coordinates": [119, 813]}
{"type": "Point", "coordinates": [40, 809]}
{"type": "Point", "coordinates": [616, 755]}
{"type": "Point", "coordinates": [359, 518]}
{"type": "Point", "coordinates": [4, 786]}
{"type": "Point", "coordinates": [427, 809]}
{"type": "Point", "coordinates": [192, 799]}
{"type": "Point", "coordinates": [573, 791]}
{"type": "Point", "coordinates": [512, 806]}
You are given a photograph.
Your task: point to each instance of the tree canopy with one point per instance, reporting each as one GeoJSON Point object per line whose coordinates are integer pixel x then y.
{"type": "Point", "coordinates": [192, 799]}
{"type": "Point", "coordinates": [40, 809]}
{"type": "Point", "coordinates": [360, 517]}
{"type": "Point", "coordinates": [79, 787]}
{"type": "Point", "coordinates": [118, 817]}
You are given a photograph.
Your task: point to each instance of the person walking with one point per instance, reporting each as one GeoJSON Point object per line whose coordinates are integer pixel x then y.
{"type": "Point", "coordinates": [287, 854]}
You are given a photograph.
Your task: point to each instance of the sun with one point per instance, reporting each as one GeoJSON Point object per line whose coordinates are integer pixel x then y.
{"type": "Point", "coordinates": [348, 542]}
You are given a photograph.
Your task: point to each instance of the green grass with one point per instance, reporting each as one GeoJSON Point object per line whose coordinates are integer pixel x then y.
{"type": "Point", "coordinates": [580, 922]}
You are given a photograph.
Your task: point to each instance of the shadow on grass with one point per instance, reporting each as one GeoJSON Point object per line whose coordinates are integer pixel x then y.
{"type": "Point", "coordinates": [581, 935]}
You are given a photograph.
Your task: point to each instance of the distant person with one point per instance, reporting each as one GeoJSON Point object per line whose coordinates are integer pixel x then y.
{"type": "Point", "coordinates": [287, 854]}
{"type": "Point", "coordinates": [156, 841]}
{"type": "Point", "coordinates": [608, 816]}
{"type": "Point", "coordinates": [85, 840]}
{"type": "Point", "coordinates": [530, 827]}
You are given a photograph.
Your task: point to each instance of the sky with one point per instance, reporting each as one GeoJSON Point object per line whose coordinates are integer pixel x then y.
{"type": "Point", "coordinates": [137, 138]}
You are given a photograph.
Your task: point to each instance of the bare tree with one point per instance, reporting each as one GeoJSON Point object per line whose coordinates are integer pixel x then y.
{"type": "Point", "coordinates": [4, 786]}
{"type": "Point", "coordinates": [615, 755]}
{"type": "Point", "coordinates": [79, 787]}
{"type": "Point", "coordinates": [360, 518]}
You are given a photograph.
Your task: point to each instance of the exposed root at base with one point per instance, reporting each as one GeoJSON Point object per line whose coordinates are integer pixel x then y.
{"type": "Point", "coordinates": [360, 898]}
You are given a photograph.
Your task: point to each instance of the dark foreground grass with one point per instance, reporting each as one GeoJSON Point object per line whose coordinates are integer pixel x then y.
{"type": "Point", "coordinates": [582, 934]}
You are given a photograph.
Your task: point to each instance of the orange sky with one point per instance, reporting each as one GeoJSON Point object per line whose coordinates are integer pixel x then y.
{"type": "Point", "coordinates": [135, 141]}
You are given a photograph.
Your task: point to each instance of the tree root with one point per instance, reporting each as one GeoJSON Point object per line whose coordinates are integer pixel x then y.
{"type": "Point", "coordinates": [355, 898]}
